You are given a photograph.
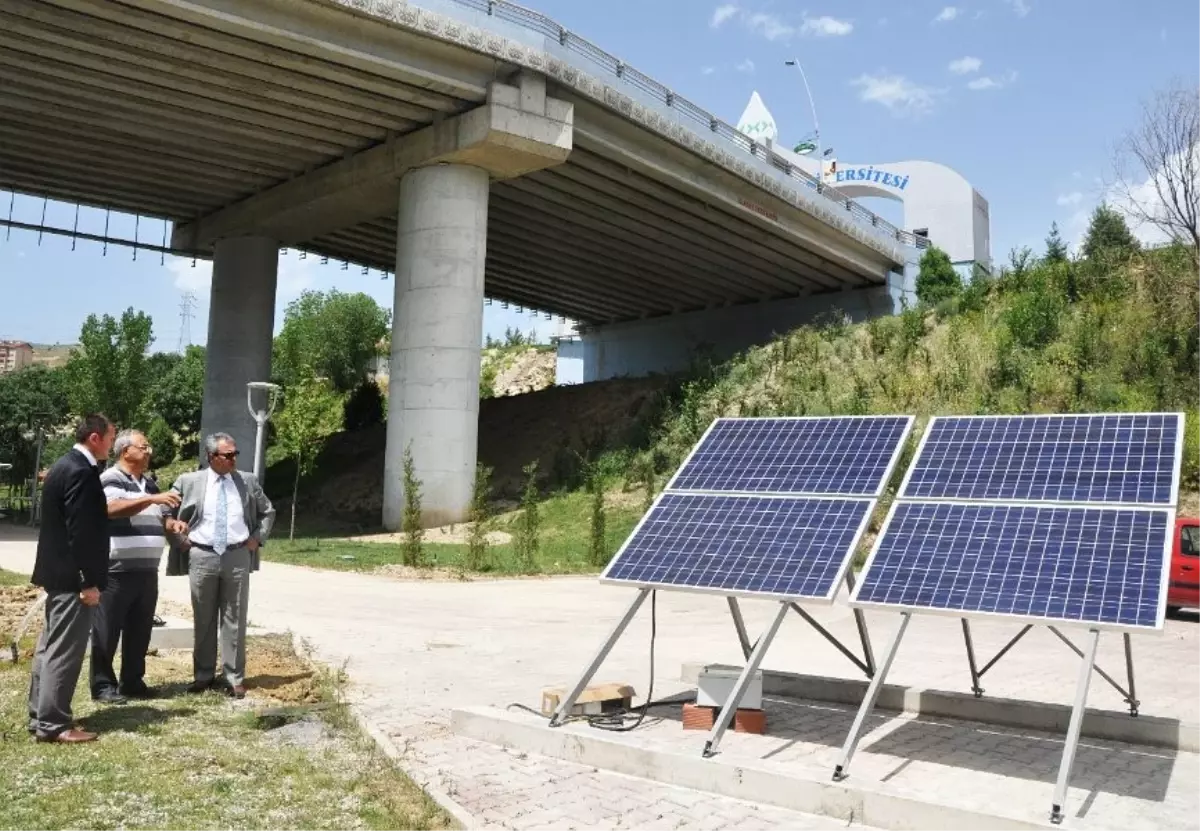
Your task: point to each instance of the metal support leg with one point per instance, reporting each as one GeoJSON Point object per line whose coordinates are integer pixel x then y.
{"type": "Point", "coordinates": [1068, 759]}
{"type": "Point", "coordinates": [739, 623]}
{"type": "Point", "coordinates": [868, 703]}
{"type": "Point", "coordinates": [564, 708]}
{"type": "Point", "coordinates": [1127, 696]}
{"type": "Point", "coordinates": [860, 620]}
{"type": "Point", "coordinates": [1132, 699]}
{"type": "Point", "coordinates": [975, 688]}
{"type": "Point", "coordinates": [825, 633]}
{"type": "Point", "coordinates": [739, 689]}
{"type": "Point", "coordinates": [1007, 647]}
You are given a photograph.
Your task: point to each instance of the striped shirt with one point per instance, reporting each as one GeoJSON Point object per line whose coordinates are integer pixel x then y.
{"type": "Point", "coordinates": [137, 541]}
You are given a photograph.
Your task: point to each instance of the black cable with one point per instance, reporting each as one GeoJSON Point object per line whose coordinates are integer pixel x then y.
{"type": "Point", "coordinates": [617, 721]}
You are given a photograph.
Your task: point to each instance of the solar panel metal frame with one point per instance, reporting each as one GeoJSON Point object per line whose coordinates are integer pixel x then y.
{"type": "Point", "coordinates": [854, 602]}
{"type": "Point", "coordinates": [828, 599]}
{"type": "Point", "coordinates": [902, 491]}
{"type": "Point", "coordinates": [883, 480]}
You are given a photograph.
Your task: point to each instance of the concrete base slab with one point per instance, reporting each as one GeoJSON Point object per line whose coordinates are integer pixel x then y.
{"type": "Point", "coordinates": [1152, 731]}
{"type": "Point", "coordinates": [177, 634]}
{"type": "Point", "coordinates": [909, 772]}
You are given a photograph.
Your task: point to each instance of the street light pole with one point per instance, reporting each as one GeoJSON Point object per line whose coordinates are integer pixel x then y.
{"type": "Point", "coordinates": [260, 418]}
{"type": "Point", "coordinates": [812, 105]}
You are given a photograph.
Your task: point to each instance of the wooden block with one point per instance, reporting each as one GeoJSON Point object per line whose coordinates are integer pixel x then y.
{"type": "Point", "coordinates": [696, 717]}
{"type": "Point", "coordinates": [597, 698]}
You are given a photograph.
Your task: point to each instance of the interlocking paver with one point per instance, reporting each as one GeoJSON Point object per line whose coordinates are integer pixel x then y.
{"type": "Point", "coordinates": [502, 641]}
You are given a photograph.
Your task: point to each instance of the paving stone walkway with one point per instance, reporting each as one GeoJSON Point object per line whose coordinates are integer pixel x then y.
{"type": "Point", "coordinates": [415, 650]}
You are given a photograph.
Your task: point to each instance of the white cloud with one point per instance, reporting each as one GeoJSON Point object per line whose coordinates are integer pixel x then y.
{"type": "Point", "coordinates": [769, 26]}
{"type": "Point", "coordinates": [294, 275]}
{"type": "Point", "coordinates": [1072, 198]}
{"type": "Point", "coordinates": [826, 26]}
{"type": "Point", "coordinates": [708, 70]}
{"type": "Point", "coordinates": [947, 14]}
{"type": "Point", "coordinates": [1019, 7]}
{"type": "Point", "coordinates": [721, 14]}
{"type": "Point", "coordinates": [746, 66]}
{"type": "Point", "coordinates": [895, 92]}
{"type": "Point", "coordinates": [992, 81]}
{"type": "Point", "coordinates": [965, 66]}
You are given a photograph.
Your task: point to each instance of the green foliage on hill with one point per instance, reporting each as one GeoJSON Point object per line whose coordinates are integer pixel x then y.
{"type": "Point", "coordinates": [1105, 334]}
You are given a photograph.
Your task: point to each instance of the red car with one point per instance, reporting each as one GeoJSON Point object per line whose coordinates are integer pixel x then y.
{"type": "Point", "coordinates": [1185, 566]}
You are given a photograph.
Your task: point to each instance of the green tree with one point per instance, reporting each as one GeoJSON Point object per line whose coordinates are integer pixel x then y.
{"type": "Point", "coordinates": [311, 412]}
{"type": "Point", "coordinates": [108, 372]}
{"type": "Point", "coordinates": [597, 546]}
{"type": "Point", "coordinates": [1108, 235]}
{"type": "Point", "coordinates": [477, 541]}
{"type": "Point", "coordinates": [527, 539]}
{"type": "Point", "coordinates": [30, 399]}
{"type": "Point", "coordinates": [162, 438]}
{"type": "Point", "coordinates": [330, 335]}
{"type": "Point", "coordinates": [1056, 249]}
{"type": "Point", "coordinates": [178, 395]}
{"type": "Point", "coordinates": [413, 550]}
{"type": "Point", "coordinates": [937, 279]}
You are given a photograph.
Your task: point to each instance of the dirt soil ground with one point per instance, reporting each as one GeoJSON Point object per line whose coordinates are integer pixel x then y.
{"type": "Point", "coordinates": [513, 431]}
{"type": "Point", "coordinates": [526, 372]}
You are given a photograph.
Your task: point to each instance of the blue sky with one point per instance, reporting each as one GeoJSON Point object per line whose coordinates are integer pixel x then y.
{"type": "Point", "coordinates": [1025, 98]}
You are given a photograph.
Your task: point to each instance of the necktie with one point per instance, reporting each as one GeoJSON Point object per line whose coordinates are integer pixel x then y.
{"type": "Point", "coordinates": [221, 520]}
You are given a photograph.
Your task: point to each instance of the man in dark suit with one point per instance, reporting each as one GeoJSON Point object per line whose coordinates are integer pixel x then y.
{"type": "Point", "coordinates": [72, 566]}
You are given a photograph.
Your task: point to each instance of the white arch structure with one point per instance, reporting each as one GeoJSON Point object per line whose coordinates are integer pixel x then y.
{"type": "Point", "coordinates": [936, 199]}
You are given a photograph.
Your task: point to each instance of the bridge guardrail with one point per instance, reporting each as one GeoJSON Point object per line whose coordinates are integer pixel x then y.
{"type": "Point", "coordinates": [547, 27]}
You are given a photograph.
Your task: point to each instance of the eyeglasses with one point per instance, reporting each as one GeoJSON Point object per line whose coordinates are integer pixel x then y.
{"type": "Point", "coordinates": [230, 456]}
{"type": "Point", "coordinates": [143, 447]}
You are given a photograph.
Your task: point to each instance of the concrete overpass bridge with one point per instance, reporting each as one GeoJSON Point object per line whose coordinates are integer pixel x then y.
{"type": "Point", "coordinates": [470, 145]}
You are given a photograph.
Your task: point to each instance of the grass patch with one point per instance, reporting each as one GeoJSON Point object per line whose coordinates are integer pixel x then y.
{"type": "Point", "coordinates": [13, 578]}
{"type": "Point", "coordinates": [565, 533]}
{"type": "Point", "coordinates": [204, 761]}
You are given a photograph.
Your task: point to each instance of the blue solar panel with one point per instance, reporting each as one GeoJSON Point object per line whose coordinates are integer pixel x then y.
{"type": "Point", "coordinates": [1096, 565]}
{"type": "Point", "coordinates": [784, 547]}
{"type": "Point", "coordinates": [845, 456]}
{"type": "Point", "coordinates": [1118, 458]}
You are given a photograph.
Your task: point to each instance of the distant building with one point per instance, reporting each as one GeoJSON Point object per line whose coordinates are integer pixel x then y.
{"type": "Point", "coordinates": [14, 355]}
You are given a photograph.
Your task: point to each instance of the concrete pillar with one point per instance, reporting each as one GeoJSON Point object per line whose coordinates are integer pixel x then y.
{"type": "Point", "coordinates": [241, 319]}
{"type": "Point", "coordinates": [437, 333]}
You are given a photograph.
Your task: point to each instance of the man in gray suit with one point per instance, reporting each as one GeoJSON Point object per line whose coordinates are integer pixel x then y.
{"type": "Point", "coordinates": [228, 518]}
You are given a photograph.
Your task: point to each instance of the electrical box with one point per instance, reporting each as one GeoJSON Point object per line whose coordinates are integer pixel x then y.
{"type": "Point", "coordinates": [716, 683]}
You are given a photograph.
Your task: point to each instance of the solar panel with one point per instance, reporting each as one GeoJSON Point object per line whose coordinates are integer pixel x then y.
{"type": "Point", "coordinates": [844, 455]}
{"type": "Point", "coordinates": [763, 546]}
{"type": "Point", "coordinates": [1095, 565]}
{"type": "Point", "coordinates": [1131, 459]}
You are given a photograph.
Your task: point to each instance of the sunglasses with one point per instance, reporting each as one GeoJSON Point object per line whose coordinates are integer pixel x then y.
{"type": "Point", "coordinates": [230, 456]}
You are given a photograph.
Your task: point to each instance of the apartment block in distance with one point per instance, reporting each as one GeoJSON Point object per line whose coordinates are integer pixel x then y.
{"type": "Point", "coordinates": [14, 355]}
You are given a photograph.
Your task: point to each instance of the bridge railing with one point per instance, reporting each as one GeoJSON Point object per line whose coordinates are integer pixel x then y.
{"type": "Point", "coordinates": [613, 66]}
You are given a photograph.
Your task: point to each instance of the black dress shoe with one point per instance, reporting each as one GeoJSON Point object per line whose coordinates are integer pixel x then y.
{"type": "Point", "coordinates": [142, 692]}
{"type": "Point", "coordinates": [109, 696]}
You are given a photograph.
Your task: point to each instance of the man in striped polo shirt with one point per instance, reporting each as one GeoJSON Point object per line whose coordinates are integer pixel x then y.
{"type": "Point", "coordinates": [137, 525]}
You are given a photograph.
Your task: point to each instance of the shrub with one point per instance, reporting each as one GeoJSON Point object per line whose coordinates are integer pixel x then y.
{"type": "Point", "coordinates": [477, 542]}
{"type": "Point", "coordinates": [364, 407]}
{"type": "Point", "coordinates": [1034, 314]}
{"type": "Point", "coordinates": [937, 278]}
{"type": "Point", "coordinates": [526, 540]}
{"type": "Point", "coordinates": [162, 438]}
{"type": "Point", "coordinates": [1189, 477]}
{"type": "Point", "coordinates": [413, 551]}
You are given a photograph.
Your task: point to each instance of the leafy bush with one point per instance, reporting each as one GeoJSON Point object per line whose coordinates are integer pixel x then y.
{"type": "Point", "coordinates": [527, 539]}
{"type": "Point", "coordinates": [1034, 315]}
{"type": "Point", "coordinates": [477, 542]}
{"type": "Point", "coordinates": [413, 548]}
{"type": "Point", "coordinates": [937, 279]}
{"type": "Point", "coordinates": [363, 407]}
{"type": "Point", "coordinates": [162, 438]}
{"type": "Point", "coordinates": [1190, 476]}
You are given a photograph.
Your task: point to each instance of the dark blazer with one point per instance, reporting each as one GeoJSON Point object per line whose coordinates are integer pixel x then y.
{"type": "Point", "coordinates": [72, 551]}
{"type": "Point", "coordinates": [257, 512]}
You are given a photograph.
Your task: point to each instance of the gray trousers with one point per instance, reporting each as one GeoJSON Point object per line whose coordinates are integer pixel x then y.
{"type": "Point", "coordinates": [220, 597]}
{"type": "Point", "coordinates": [58, 662]}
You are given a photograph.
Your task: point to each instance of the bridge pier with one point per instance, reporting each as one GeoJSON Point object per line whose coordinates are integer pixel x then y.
{"type": "Point", "coordinates": [437, 327]}
{"type": "Point", "coordinates": [241, 319]}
